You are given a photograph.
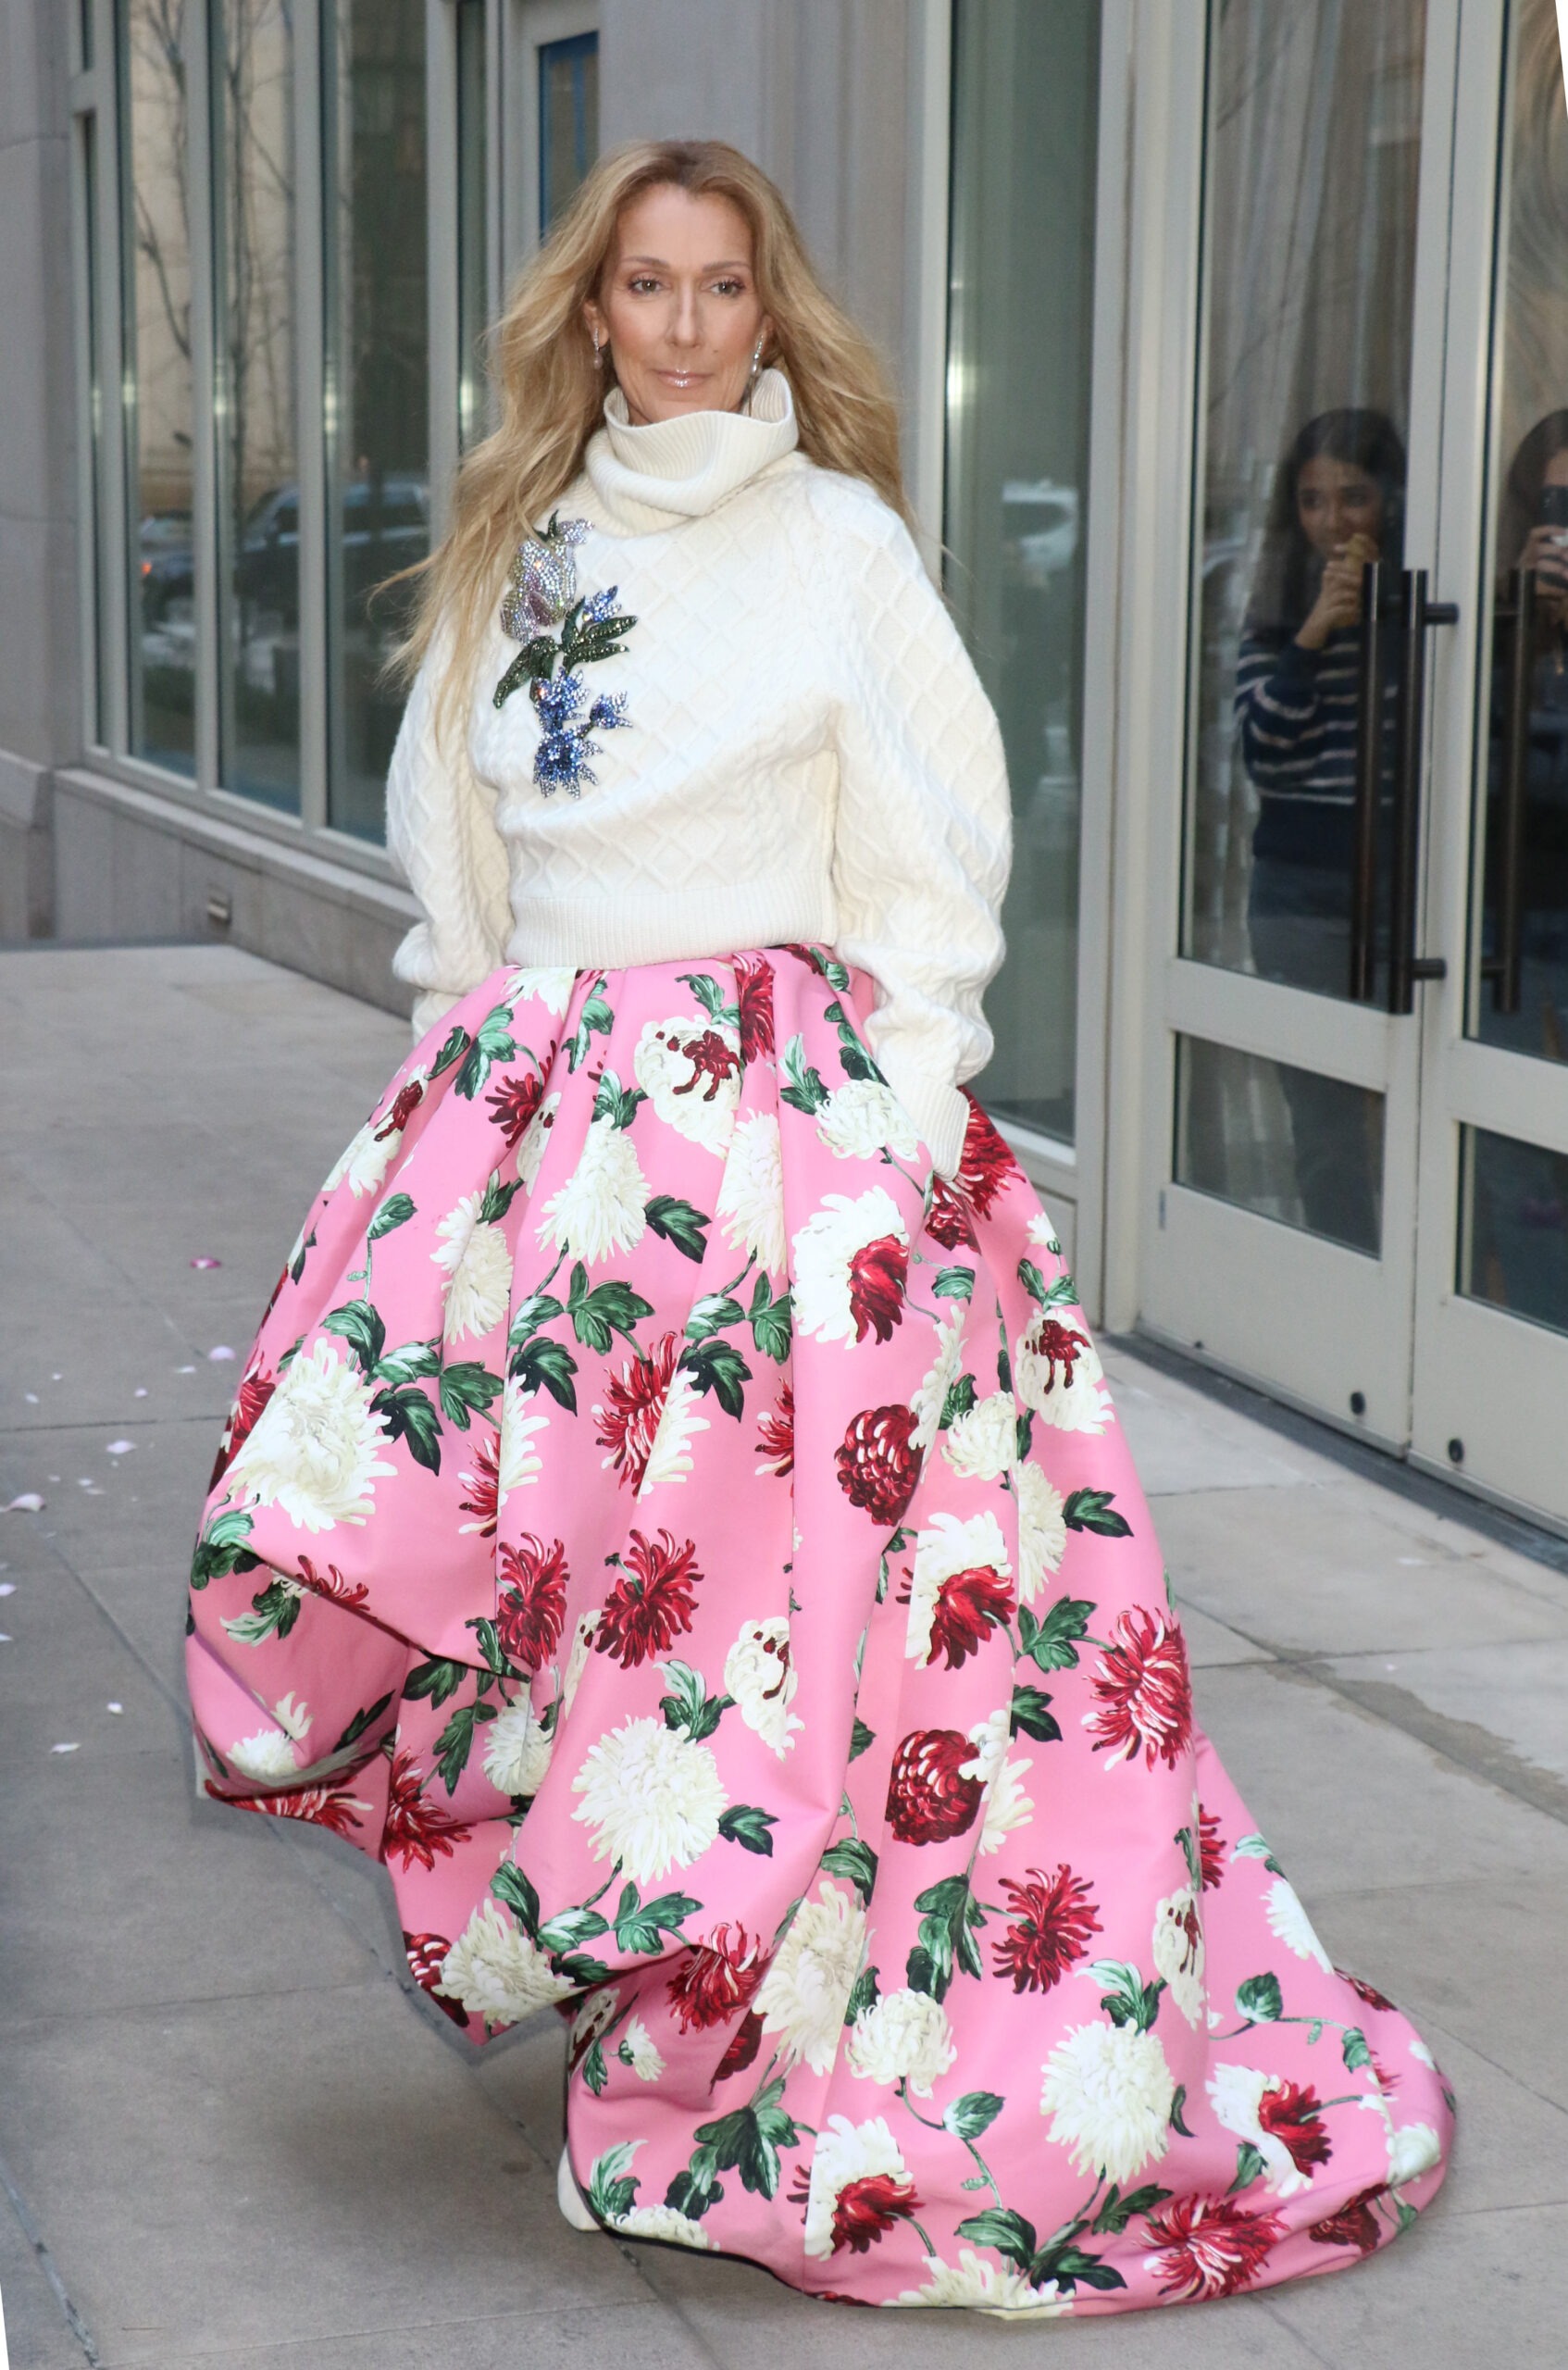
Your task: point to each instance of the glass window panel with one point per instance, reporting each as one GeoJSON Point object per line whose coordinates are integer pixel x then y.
{"type": "Point", "coordinates": [568, 121]}
{"type": "Point", "coordinates": [258, 458]}
{"type": "Point", "coordinates": [1026, 88]}
{"type": "Point", "coordinates": [156, 383]}
{"type": "Point", "coordinates": [378, 407]}
{"type": "Point", "coordinates": [1530, 532]}
{"type": "Point", "coordinates": [100, 588]}
{"type": "Point", "coordinates": [1303, 1150]}
{"type": "Point", "coordinates": [1514, 1227]}
{"type": "Point", "coordinates": [1311, 165]}
{"type": "Point", "coordinates": [473, 245]}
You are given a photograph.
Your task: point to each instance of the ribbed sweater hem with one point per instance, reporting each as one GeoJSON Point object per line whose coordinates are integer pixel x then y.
{"type": "Point", "coordinates": [677, 924]}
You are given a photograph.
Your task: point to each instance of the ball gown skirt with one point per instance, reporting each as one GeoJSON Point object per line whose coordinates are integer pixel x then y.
{"type": "Point", "coordinates": [691, 1545]}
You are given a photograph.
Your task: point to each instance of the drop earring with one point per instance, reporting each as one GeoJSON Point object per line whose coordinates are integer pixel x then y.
{"type": "Point", "coordinates": [756, 372]}
{"type": "Point", "coordinates": [598, 353]}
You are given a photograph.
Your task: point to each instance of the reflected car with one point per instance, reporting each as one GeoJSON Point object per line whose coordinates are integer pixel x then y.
{"type": "Point", "coordinates": [164, 562]}
{"type": "Point", "coordinates": [386, 527]}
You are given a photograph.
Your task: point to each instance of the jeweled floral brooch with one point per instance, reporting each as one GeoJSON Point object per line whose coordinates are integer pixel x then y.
{"type": "Point", "coordinates": [558, 628]}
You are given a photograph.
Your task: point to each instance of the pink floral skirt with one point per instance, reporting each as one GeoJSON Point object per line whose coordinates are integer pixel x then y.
{"type": "Point", "coordinates": [691, 1545]}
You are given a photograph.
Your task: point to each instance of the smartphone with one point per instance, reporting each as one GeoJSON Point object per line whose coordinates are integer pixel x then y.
{"type": "Point", "coordinates": [1551, 510]}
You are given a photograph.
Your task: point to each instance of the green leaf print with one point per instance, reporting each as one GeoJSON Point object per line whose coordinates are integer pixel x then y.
{"type": "Point", "coordinates": [296, 1268]}
{"type": "Point", "coordinates": [438, 1679]}
{"type": "Point", "coordinates": [273, 1613]}
{"type": "Point", "coordinates": [410, 1417]}
{"type": "Point", "coordinates": [456, 1741]}
{"type": "Point", "coordinates": [862, 1994]}
{"type": "Point", "coordinates": [489, 1646]}
{"type": "Point", "coordinates": [608, 1309]}
{"type": "Point", "coordinates": [641, 1926]}
{"type": "Point", "coordinates": [595, 2073]}
{"type": "Point", "coordinates": [950, 1916]}
{"type": "Point", "coordinates": [955, 1283]}
{"type": "Point", "coordinates": [361, 1326]}
{"type": "Point", "coordinates": [596, 1018]}
{"type": "Point", "coordinates": [498, 1199]}
{"type": "Point", "coordinates": [711, 1315]}
{"type": "Point", "coordinates": [1094, 1510]}
{"type": "Point", "coordinates": [1248, 2166]}
{"type": "Point", "coordinates": [692, 2192]}
{"type": "Point", "coordinates": [854, 1859]}
{"type": "Point", "coordinates": [494, 1044]}
{"type": "Point", "coordinates": [610, 2193]}
{"type": "Point", "coordinates": [718, 1366]}
{"type": "Point", "coordinates": [1008, 2232]}
{"type": "Point", "coordinates": [416, 1359]}
{"type": "Point", "coordinates": [616, 1102]}
{"type": "Point", "coordinates": [396, 1211]}
{"type": "Point", "coordinates": [548, 1366]}
{"type": "Point", "coordinates": [1260, 2000]}
{"type": "Point", "coordinates": [221, 1548]}
{"type": "Point", "coordinates": [959, 1398]}
{"type": "Point", "coordinates": [677, 1221]}
{"type": "Point", "coordinates": [512, 1890]}
{"type": "Point", "coordinates": [1032, 1715]}
{"type": "Point", "coordinates": [467, 1391]}
{"type": "Point", "coordinates": [360, 1722]}
{"type": "Point", "coordinates": [749, 2139]}
{"type": "Point", "coordinates": [688, 1705]}
{"type": "Point", "coordinates": [1355, 2050]}
{"type": "Point", "coordinates": [569, 1930]}
{"type": "Point", "coordinates": [861, 1738]}
{"type": "Point", "coordinates": [1063, 1293]}
{"type": "Point", "coordinates": [744, 1824]}
{"type": "Point", "coordinates": [711, 996]}
{"type": "Point", "coordinates": [1067, 2264]}
{"type": "Point", "coordinates": [453, 1051]}
{"type": "Point", "coordinates": [973, 2113]}
{"type": "Point", "coordinates": [539, 1309]}
{"type": "Point", "coordinates": [1254, 1847]}
{"type": "Point", "coordinates": [1127, 1998]}
{"type": "Point", "coordinates": [1186, 1838]}
{"type": "Point", "coordinates": [1118, 2211]}
{"type": "Point", "coordinates": [1177, 2103]}
{"type": "Point", "coordinates": [805, 1091]}
{"type": "Point", "coordinates": [770, 1320]}
{"type": "Point", "coordinates": [1052, 1644]}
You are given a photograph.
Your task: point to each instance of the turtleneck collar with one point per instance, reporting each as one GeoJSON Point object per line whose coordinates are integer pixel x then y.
{"type": "Point", "coordinates": [653, 477]}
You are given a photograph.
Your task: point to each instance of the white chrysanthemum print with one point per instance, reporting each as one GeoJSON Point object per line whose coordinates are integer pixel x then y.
{"type": "Point", "coordinates": [599, 1210]}
{"type": "Point", "coordinates": [478, 1264]}
{"type": "Point", "coordinates": [364, 1161]}
{"type": "Point", "coordinates": [638, 2049]}
{"type": "Point", "coordinates": [1290, 1922]}
{"type": "Point", "coordinates": [662, 2222]}
{"type": "Point", "coordinates": [690, 1069]}
{"type": "Point", "coordinates": [548, 984]}
{"type": "Point", "coordinates": [1042, 1233]}
{"type": "Point", "coordinates": [521, 1421]}
{"type": "Point", "coordinates": [991, 2287]}
{"type": "Point", "coordinates": [494, 1971]}
{"type": "Point", "coordinates": [803, 1995]}
{"type": "Point", "coordinates": [1042, 1529]}
{"type": "Point", "coordinates": [516, 1749]}
{"type": "Point", "coordinates": [846, 2152]}
{"type": "Point", "coordinates": [1177, 1946]}
{"type": "Point", "coordinates": [1007, 1807]}
{"type": "Point", "coordinates": [313, 1452]}
{"type": "Point", "coordinates": [863, 1119]}
{"type": "Point", "coordinates": [652, 1797]}
{"type": "Point", "coordinates": [532, 1143]}
{"type": "Point", "coordinates": [1412, 2150]}
{"type": "Point", "coordinates": [751, 1195]}
{"type": "Point", "coordinates": [1071, 1398]}
{"type": "Point", "coordinates": [825, 1249]}
{"type": "Point", "coordinates": [946, 1546]}
{"type": "Point", "coordinates": [1109, 2093]}
{"type": "Point", "coordinates": [577, 1660]}
{"type": "Point", "coordinates": [670, 1458]}
{"type": "Point", "coordinates": [941, 1375]}
{"type": "Point", "coordinates": [762, 1679]}
{"type": "Point", "coordinates": [267, 1759]}
{"type": "Point", "coordinates": [984, 1445]}
{"type": "Point", "coordinates": [1422, 2054]}
{"type": "Point", "coordinates": [903, 2037]}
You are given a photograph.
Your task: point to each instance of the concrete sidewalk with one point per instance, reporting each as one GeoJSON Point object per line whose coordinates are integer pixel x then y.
{"type": "Point", "coordinates": [229, 2132]}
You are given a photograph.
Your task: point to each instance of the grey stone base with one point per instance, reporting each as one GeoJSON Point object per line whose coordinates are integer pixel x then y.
{"type": "Point", "coordinates": [27, 870]}
{"type": "Point", "coordinates": [132, 865]}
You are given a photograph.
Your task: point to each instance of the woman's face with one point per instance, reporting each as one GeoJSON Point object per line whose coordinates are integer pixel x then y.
{"type": "Point", "coordinates": [1335, 500]}
{"type": "Point", "coordinates": [679, 307]}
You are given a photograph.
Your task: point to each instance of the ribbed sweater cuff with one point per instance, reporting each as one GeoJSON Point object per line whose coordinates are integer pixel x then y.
{"type": "Point", "coordinates": [941, 1113]}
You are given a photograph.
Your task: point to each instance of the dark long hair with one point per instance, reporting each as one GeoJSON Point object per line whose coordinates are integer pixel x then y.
{"type": "Point", "coordinates": [1288, 568]}
{"type": "Point", "coordinates": [1522, 487]}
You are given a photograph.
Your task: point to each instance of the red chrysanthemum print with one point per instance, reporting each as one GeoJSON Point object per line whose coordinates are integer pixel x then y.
{"type": "Point", "coordinates": [652, 1602]}
{"type": "Point", "coordinates": [513, 1104]}
{"type": "Point", "coordinates": [1354, 2225]}
{"type": "Point", "coordinates": [986, 1164]}
{"type": "Point", "coordinates": [484, 1483]}
{"type": "Point", "coordinates": [1289, 2112]}
{"type": "Point", "coordinates": [713, 1982]}
{"type": "Point", "coordinates": [635, 1398]}
{"type": "Point", "coordinates": [776, 1433]}
{"type": "Point", "coordinates": [1052, 1920]}
{"type": "Point", "coordinates": [866, 2210]}
{"type": "Point", "coordinates": [1144, 1689]}
{"type": "Point", "coordinates": [928, 1796]}
{"type": "Point", "coordinates": [319, 1805]}
{"type": "Point", "coordinates": [745, 2043]}
{"type": "Point", "coordinates": [969, 1606]}
{"type": "Point", "coordinates": [713, 1058]}
{"type": "Point", "coordinates": [1209, 2245]}
{"type": "Point", "coordinates": [531, 1609]}
{"type": "Point", "coordinates": [331, 1583]}
{"type": "Point", "coordinates": [753, 997]}
{"type": "Point", "coordinates": [948, 1220]}
{"type": "Point", "coordinates": [1367, 1991]}
{"type": "Point", "coordinates": [407, 1101]}
{"type": "Point", "coordinates": [255, 1389]}
{"type": "Point", "coordinates": [1059, 1346]}
{"type": "Point", "coordinates": [1211, 1849]}
{"type": "Point", "coordinates": [427, 1956]}
{"type": "Point", "coordinates": [414, 1830]}
{"type": "Point", "coordinates": [878, 1464]}
{"type": "Point", "coordinates": [878, 1274]}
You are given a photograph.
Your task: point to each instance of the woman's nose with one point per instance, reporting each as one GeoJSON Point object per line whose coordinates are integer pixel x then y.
{"type": "Point", "coordinates": [685, 329]}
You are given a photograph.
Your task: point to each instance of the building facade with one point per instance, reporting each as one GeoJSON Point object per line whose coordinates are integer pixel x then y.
{"type": "Point", "coordinates": [1232, 342]}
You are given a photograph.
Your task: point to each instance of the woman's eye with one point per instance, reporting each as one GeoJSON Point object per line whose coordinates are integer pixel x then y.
{"type": "Point", "coordinates": [642, 284]}
{"type": "Point", "coordinates": [729, 288]}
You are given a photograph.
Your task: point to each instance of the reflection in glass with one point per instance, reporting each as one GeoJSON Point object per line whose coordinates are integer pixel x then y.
{"type": "Point", "coordinates": [1530, 410]}
{"type": "Point", "coordinates": [473, 246]}
{"type": "Point", "coordinates": [101, 610]}
{"type": "Point", "coordinates": [259, 562]}
{"type": "Point", "coordinates": [568, 121]}
{"type": "Point", "coordinates": [1514, 1227]}
{"type": "Point", "coordinates": [377, 383]}
{"type": "Point", "coordinates": [1026, 106]}
{"type": "Point", "coordinates": [1312, 156]}
{"type": "Point", "coordinates": [1309, 1154]}
{"type": "Point", "coordinates": [157, 408]}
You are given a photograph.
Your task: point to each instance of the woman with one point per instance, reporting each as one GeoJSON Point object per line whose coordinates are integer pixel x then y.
{"type": "Point", "coordinates": [673, 1515]}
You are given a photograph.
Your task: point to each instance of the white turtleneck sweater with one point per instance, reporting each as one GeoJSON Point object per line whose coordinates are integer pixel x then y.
{"type": "Point", "coordinates": [807, 755]}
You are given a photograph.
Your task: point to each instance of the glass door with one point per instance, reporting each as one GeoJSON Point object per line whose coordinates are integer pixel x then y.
{"type": "Point", "coordinates": [1283, 1238]}
{"type": "Point", "coordinates": [1491, 1333]}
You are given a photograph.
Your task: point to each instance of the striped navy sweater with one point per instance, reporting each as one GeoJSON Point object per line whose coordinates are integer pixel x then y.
{"type": "Point", "coordinates": [1295, 710]}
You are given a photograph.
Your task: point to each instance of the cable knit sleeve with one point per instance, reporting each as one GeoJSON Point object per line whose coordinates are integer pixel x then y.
{"type": "Point", "coordinates": [440, 830]}
{"type": "Point", "coordinates": [923, 835]}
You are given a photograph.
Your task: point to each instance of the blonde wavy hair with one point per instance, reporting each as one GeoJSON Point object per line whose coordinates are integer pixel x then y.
{"type": "Point", "coordinates": [551, 396]}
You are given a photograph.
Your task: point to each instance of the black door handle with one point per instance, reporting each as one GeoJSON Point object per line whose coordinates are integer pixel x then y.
{"type": "Point", "coordinates": [1405, 966]}
{"type": "Point", "coordinates": [1369, 784]}
{"type": "Point", "coordinates": [1505, 967]}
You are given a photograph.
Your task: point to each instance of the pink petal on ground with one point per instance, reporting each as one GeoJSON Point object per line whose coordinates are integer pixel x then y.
{"type": "Point", "coordinates": [29, 1503]}
{"type": "Point", "coordinates": [206, 1263]}
{"type": "Point", "coordinates": [120, 1448]}
{"type": "Point", "coordinates": [221, 1351]}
